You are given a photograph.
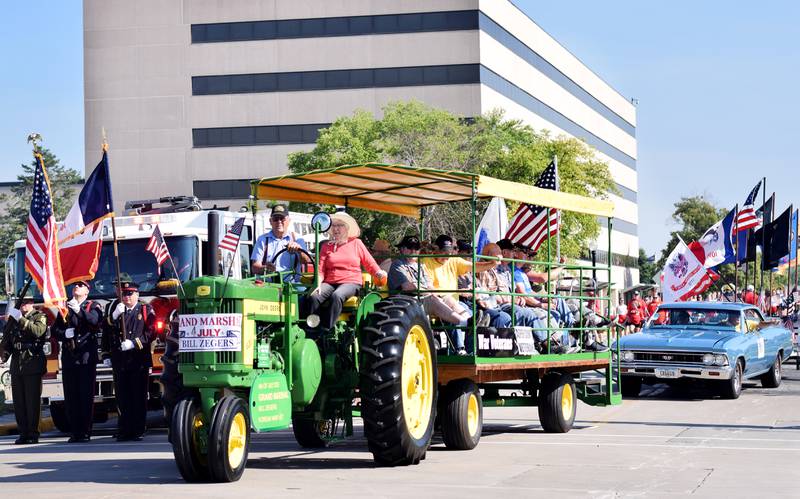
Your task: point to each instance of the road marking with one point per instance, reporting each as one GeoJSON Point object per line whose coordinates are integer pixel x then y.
{"type": "Point", "coordinates": [670, 446]}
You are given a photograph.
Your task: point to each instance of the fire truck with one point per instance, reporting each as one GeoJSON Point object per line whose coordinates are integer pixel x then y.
{"type": "Point", "coordinates": [186, 228]}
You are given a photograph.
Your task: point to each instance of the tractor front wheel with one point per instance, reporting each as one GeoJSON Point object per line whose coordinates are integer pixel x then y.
{"type": "Point", "coordinates": [398, 382]}
{"type": "Point", "coordinates": [229, 439]}
{"type": "Point", "coordinates": [188, 434]}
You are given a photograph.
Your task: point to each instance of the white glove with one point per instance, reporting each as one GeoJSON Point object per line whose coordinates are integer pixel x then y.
{"type": "Point", "coordinates": [13, 312]}
{"type": "Point", "coordinates": [73, 305]}
{"type": "Point", "coordinates": [118, 310]}
{"type": "Point", "coordinates": [69, 333]}
{"type": "Point", "coordinates": [106, 362]}
{"type": "Point", "coordinates": [126, 345]}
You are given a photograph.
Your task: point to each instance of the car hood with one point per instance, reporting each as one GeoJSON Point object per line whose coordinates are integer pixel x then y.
{"type": "Point", "coordinates": [675, 338]}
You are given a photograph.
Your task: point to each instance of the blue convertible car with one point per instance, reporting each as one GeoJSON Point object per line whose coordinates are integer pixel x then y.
{"type": "Point", "coordinates": [722, 342]}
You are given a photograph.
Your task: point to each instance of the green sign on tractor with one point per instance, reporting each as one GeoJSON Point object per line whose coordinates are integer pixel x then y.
{"type": "Point", "coordinates": [255, 364]}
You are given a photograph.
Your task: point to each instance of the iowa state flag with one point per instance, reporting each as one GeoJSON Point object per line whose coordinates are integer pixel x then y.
{"type": "Point", "coordinates": [80, 235]}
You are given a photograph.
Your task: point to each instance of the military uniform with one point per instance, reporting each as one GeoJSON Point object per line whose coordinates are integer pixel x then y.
{"type": "Point", "coordinates": [24, 341]}
{"type": "Point", "coordinates": [79, 365]}
{"type": "Point", "coordinates": [131, 367]}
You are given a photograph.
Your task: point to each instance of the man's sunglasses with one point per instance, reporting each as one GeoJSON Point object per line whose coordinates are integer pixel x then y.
{"type": "Point", "coordinates": [128, 293]}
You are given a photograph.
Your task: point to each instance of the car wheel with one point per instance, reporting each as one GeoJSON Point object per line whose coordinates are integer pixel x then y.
{"type": "Point", "coordinates": [772, 378]}
{"type": "Point", "coordinates": [732, 388]}
{"type": "Point", "coordinates": [631, 386]}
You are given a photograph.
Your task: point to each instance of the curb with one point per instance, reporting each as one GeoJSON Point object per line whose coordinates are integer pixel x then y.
{"type": "Point", "coordinates": [46, 424]}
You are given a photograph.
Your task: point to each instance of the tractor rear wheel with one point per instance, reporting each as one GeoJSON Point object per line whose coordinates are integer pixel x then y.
{"type": "Point", "coordinates": [398, 382]}
{"type": "Point", "coordinates": [188, 436]}
{"type": "Point", "coordinates": [229, 439]}
{"type": "Point", "coordinates": [462, 415]}
{"type": "Point", "coordinates": [557, 402]}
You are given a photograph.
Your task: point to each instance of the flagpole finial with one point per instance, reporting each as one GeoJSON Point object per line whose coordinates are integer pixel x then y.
{"type": "Point", "coordinates": [104, 146]}
{"type": "Point", "coordinates": [34, 138]}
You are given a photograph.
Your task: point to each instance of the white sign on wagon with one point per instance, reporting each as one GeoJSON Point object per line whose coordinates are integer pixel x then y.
{"type": "Point", "coordinates": [210, 332]}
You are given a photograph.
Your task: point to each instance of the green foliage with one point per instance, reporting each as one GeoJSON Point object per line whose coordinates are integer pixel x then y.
{"type": "Point", "coordinates": [415, 134]}
{"type": "Point", "coordinates": [13, 220]}
{"type": "Point", "coordinates": [647, 269]}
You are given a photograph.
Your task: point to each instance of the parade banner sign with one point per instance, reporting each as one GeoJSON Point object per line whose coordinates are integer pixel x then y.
{"type": "Point", "coordinates": [210, 332]}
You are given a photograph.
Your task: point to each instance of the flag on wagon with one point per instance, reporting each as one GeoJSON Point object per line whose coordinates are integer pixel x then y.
{"type": "Point", "coordinates": [41, 247]}
{"type": "Point", "coordinates": [230, 241]}
{"type": "Point", "coordinates": [157, 246]}
{"type": "Point", "coordinates": [80, 235]}
{"type": "Point", "coordinates": [494, 224]}
{"type": "Point", "coordinates": [532, 224]}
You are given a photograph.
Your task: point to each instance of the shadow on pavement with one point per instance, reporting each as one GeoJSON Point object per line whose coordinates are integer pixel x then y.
{"type": "Point", "coordinates": [107, 471]}
{"type": "Point", "coordinates": [695, 425]}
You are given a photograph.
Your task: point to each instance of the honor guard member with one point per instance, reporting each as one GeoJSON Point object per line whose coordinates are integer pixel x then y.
{"type": "Point", "coordinates": [130, 357]}
{"type": "Point", "coordinates": [78, 334]}
{"type": "Point", "coordinates": [23, 340]}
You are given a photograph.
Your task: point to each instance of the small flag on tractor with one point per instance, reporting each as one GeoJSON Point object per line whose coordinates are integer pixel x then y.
{"type": "Point", "coordinates": [158, 247]}
{"type": "Point", "coordinates": [231, 239]}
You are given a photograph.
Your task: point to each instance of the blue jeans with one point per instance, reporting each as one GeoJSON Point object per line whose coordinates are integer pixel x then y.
{"type": "Point", "coordinates": [498, 317]}
{"type": "Point", "coordinates": [458, 335]}
{"type": "Point", "coordinates": [524, 316]}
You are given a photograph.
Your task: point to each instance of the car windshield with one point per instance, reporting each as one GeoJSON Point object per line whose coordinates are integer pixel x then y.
{"type": "Point", "coordinates": [694, 317]}
{"type": "Point", "coordinates": [135, 261]}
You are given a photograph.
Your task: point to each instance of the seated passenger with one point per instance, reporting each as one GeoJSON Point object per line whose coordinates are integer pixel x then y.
{"type": "Point", "coordinates": [490, 304]}
{"type": "Point", "coordinates": [279, 238]}
{"type": "Point", "coordinates": [680, 318]}
{"type": "Point", "coordinates": [380, 251]}
{"type": "Point", "coordinates": [444, 272]}
{"type": "Point", "coordinates": [407, 274]}
{"type": "Point", "coordinates": [340, 260]}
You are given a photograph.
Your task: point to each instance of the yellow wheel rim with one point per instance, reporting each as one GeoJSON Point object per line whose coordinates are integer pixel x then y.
{"type": "Point", "coordinates": [567, 401]}
{"type": "Point", "coordinates": [197, 431]}
{"type": "Point", "coordinates": [237, 440]}
{"type": "Point", "coordinates": [473, 415]}
{"type": "Point", "coordinates": [416, 380]}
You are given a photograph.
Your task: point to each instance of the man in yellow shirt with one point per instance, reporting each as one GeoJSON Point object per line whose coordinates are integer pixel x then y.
{"type": "Point", "coordinates": [444, 272]}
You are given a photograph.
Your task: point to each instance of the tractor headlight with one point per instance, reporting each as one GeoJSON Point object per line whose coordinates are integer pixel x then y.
{"type": "Point", "coordinates": [720, 360]}
{"type": "Point", "coordinates": [312, 320]}
{"type": "Point", "coordinates": [708, 359]}
{"type": "Point", "coordinates": [627, 356]}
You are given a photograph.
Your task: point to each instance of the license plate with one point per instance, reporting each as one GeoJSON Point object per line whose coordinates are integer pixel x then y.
{"type": "Point", "coordinates": [666, 373]}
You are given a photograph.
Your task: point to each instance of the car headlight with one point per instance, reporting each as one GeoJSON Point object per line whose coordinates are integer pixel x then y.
{"type": "Point", "coordinates": [627, 356]}
{"type": "Point", "coordinates": [720, 360]}
{"type": "Point", "coordinates": [708, 359]}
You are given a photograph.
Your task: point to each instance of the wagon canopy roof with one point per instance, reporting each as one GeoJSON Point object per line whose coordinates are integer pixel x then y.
{"type": "Point", "coordinates": [404, 190]}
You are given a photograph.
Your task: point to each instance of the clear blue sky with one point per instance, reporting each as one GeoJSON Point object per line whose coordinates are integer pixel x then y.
{"type": "Point", "coordinates": [717, 84]}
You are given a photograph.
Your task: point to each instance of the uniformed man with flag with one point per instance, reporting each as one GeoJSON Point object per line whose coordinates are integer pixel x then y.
{"type": "Point", "coordinates": [128, 347]}
{"type": "Point", "coordinates": [23, 340]}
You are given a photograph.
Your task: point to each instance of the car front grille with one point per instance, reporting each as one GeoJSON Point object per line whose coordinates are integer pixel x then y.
{"type": "Point", "coordinates": [669, 357]}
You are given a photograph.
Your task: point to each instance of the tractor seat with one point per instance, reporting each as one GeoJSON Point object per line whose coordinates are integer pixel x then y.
{"type": "Point", "coordinates": [351, 302]}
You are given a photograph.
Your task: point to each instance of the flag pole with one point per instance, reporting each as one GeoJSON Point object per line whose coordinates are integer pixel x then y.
{"type": "Point", "coordinates": [735, 253]}
{"type": "Point", "coordinates": [558, 232]}
{"type": "Point", "coordinates": [763, 232]}
{"type": "Point", "coordinates": [116, 247]}
{"type": "Point", "coordinates": [180, 284]}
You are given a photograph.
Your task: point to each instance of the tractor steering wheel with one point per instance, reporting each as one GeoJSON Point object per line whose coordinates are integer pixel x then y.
{"type": "Point", "coordinates": [295, 262]}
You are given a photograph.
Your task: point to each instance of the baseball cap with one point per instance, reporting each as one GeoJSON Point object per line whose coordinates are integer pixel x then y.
{"type": "Point", "coordinates": [505, 244]}
{"type": "Point", "coordinates": [464, 245]}
{"type": "Point", "coordinates": [444, 242]}
{"type": "Point", "coordinates": [410, 242]}
{"type": "Point", "coordinates": [279, 210]}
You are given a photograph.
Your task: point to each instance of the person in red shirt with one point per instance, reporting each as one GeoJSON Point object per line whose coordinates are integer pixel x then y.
{"type": "Point", "coordinates": [749, 295]}
{"type": "Point", "coordinates": [340, 260]}
{"type": "Point", "coordinates": [653, 306]}
{"type": "Point", "coordinates": [637, 311]}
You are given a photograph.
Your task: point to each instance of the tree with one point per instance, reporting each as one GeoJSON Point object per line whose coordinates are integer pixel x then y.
{"type": "Point", "coordinates": [695, 215]}
{"type": "Point", "coordinates": [647, 268]}
{"type": "Point", "coordinates": [415, 134]}
{"type": "Point", "coordinates": [14, 219]}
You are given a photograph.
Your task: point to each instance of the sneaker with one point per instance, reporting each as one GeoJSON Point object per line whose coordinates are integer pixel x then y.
{"type": "Point", "coordinates": [484, 319]}
{"type": "Point", "coordinates": [595, 346]}
{"type": "Point", "coordinates": [462, 352]}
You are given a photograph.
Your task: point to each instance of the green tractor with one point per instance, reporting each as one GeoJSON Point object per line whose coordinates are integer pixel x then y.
{"type": "Point", "coordinates": [254, 367]}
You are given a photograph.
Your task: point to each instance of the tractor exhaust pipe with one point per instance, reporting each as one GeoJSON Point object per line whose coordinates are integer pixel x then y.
{"type": "Point", "coordinates": [212, 248]}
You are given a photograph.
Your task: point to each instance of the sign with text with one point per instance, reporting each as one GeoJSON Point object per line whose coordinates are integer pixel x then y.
{"type": "Point", "coordinates": [210, 332]}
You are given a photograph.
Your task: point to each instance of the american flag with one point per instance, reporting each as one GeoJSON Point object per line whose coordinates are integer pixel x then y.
{"type": "Point", "coordinates": [157, 246]}
{"type": "Point", "coordinates": [747, 218]}
{"type": "Point", "coordinates": [41, 247]}
{"type": "Point", "coordinates": [231, 239]}
{"type": "Point", "coordinates": [529, 226]}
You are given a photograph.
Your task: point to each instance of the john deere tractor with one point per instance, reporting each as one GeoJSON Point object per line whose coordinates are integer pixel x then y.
{"type": "Point", "coordinates": [257, 366]}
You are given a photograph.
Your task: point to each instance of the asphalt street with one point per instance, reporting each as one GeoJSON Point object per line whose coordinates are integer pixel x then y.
{"type": "Point", "coordinates": [667, 442]}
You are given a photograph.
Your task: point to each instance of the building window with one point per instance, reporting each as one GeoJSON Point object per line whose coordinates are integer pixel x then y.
{"type": "Point", "coordinates": [334, 26]}
{"type": "Point", "coordinates": [256, 135]}
{"type": "Point", "coordinates": [452, 74]}
{"type": "Point", "coordinates": [222, 189]}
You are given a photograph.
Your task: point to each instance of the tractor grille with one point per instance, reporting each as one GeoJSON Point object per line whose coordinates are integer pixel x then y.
{"type": "Point", "coordinates": [226, 357]}
{"type": "Point", "coordinates": [669, 357]}
{"type": "Point", "coordinates": [186, 358]}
